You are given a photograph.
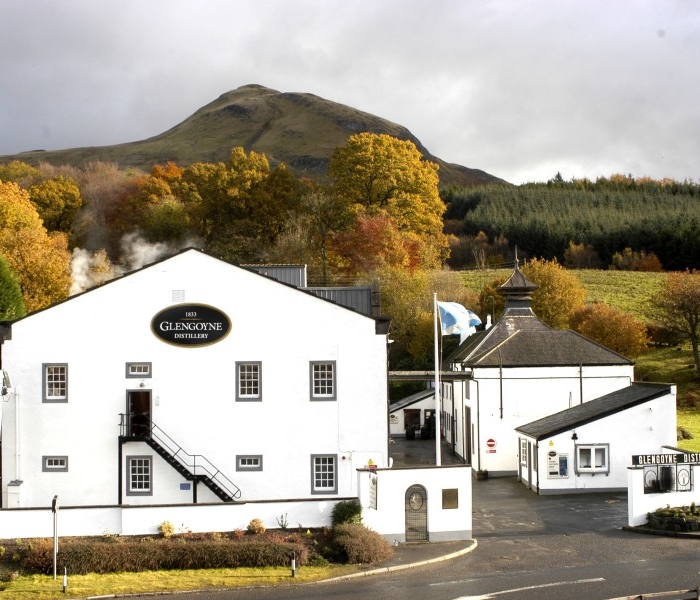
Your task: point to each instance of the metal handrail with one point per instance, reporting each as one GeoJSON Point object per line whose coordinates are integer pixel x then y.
{"type": "Point", "coordinates": [197, 464]}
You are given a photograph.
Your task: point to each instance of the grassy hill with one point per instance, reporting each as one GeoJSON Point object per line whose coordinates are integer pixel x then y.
{"type": "Point", "coordinates": [300, 130]}
{"type": "Point", "coordinates": [630, 291]}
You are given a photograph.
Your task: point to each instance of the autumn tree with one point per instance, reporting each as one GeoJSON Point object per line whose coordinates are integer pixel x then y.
{"type": "Point", "coordinates": [613, 328]}
{"type": "Point", "coordinates": [58, 202]}
{"type": "Point", "coordinates": [23, 174]}
{"type": "Point", "coordinates": [407, 298]}
{"type": "Point", "coordinates": [373, 243]}
{"type": "Point", "coordinates": [325, 213]}
{"type": "Point", "coordinates": [581, 256]}
{"type": "Point", "coordinates": [237, 207]}
{"type": "Point", "coordinates": [39, 259]}
{"type": "Point", "coordinates": [384, 175]}
{"type": "Point", "coordinates": [559, 292]}
{"type": "Point", "coordinates": [678, 305]}
{"type": "Point", "coordinates": [11, 301]}
{"type": "Point", "coordinates": [630, 260]}
{"type": "Point", "coordinates": [155, 209]}
{"type": "Point", "coordinates": [105, 190]}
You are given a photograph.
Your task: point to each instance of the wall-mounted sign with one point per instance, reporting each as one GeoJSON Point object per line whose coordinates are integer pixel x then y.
{"type": "Point", "coordinates": [373, 483]}
{"type": "Point", "coordinates": [663, 459]}
{"type": "Point", "coordinates": [191, 325]}
{"type": "Point", "coordinates": [557, 465]}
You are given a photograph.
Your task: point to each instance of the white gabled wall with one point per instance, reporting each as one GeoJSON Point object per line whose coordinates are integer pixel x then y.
{"type": "Point", "coordinates": [501, 400]}
{"type": "Point", "coordinates": [636, 430]}
{"type": "Point", "coordinates": [193, 389]}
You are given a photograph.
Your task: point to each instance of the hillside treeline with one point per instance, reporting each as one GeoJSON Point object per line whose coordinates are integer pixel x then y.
{"type": "Point", "coordinates": [606, 217]}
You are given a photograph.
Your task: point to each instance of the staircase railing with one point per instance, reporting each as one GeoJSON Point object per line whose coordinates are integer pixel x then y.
{"type": "Point", "coordinates": [141, 426]}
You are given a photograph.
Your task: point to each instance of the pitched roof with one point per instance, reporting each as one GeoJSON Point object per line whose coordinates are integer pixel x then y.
{"type": "Point", "coordinates": [412, 399]}
{"type": "Point", "coordinates": [520, 339]}
{"type": "Point", "coordinates": [525, 341]}
{"type": "Point", "coordinates": [582, 414]}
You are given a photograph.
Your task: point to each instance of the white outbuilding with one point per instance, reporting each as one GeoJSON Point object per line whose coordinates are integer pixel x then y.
{"type": "Point", "coordinates": [589, 447]}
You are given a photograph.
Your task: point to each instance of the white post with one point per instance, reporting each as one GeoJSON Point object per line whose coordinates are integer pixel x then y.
{"type": "Point", "coordinates": [438, 458]}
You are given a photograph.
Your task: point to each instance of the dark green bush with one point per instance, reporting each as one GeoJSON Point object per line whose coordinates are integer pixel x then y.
{"type": "Point", "coordinates": [356, 544]}
{"type": "Point", "coordinates": [82, 557]}
{"type": "Point", "coordinates": [347, 511]}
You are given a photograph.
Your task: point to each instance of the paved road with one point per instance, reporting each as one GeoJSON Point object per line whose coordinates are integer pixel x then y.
{"type": "Point", "coordinates": [529, 548]}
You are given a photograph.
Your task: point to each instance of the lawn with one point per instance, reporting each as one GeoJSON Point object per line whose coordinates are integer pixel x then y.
{"type": "Point", "coordinates": [44, 587]}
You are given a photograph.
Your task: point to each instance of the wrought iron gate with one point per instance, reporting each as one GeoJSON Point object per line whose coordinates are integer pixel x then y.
{"type": "Point", "coordinates": [416, 510]}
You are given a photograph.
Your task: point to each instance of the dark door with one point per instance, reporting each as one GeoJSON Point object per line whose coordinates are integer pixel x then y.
{"type": "Point", "coordinates": [416, 509]}
{"type": "Point", "coordinates": [411, 418]}
{"type": "Point", "coordinates": [139, 412]}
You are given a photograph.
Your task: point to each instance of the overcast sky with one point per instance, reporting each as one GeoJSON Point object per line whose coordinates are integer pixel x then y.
{"type": "Point", "coordinates": [522, 89]}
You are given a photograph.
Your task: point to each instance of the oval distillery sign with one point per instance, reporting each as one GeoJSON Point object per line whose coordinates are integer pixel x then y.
{"type": "Point", "coordinates": [191, 325]}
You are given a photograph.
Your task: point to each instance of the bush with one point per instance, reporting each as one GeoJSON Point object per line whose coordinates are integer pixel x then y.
{"type": "Point", "coordinates": [347, 511]}
{"type": "Point", "coordinates": [81, 557]}
{"type": "Point", "coordinates": [166, 529]}
{"type": "Point", "coordinates": [356, 544]}
{"type": "Point", "coordinates": [256, 527]}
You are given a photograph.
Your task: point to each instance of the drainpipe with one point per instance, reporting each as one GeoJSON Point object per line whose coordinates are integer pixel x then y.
{"type": "Point", "coordinates": [478, 428]}
{"type": "Point", "coordinates": [580, 380]}
{"type": "Point", "coordinates": [500, 380]}
{"type": "Point", "coordinates": [17, 437]}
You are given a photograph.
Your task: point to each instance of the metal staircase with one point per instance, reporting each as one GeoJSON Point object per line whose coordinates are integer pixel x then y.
{"type": "Point", "coordinates": [193, 467]}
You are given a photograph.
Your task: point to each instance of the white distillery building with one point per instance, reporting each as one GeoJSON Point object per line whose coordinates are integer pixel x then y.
{"type": "Point", "coordinates": [516, 372]}
{"type": "Point", "coordinates": [189, 381]}
{"type": "Point", "coordinates": [589, 447]}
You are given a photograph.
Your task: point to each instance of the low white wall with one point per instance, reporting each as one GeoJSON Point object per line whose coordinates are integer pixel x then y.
{"type": "Point", "coordinates": [144, 520]}
{"type": "Point", "coordinates": [388, 519]}
{"type": "Point", "coordinates": [640, 504]}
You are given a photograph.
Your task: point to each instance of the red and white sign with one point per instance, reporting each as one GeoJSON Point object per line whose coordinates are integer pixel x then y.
{"type": "Point", "coordinates": [491, 446]}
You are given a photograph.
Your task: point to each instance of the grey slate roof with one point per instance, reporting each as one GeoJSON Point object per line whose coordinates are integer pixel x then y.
{"type": "Point", "coordinates": [520, 339]}
{"type": "Point", "coordinates": [581, 414]}
{"type": "Point", "coordinates": [525, 341]}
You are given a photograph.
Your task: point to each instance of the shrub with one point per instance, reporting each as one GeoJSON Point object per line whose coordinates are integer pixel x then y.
{"type": "Point", "coordinates": [683, 434]}
{"type": "Point", "coordinates": [166, 529]}
{"type": "Point", "coordinates": [256, 527]}
{"type": "Point", "coordinates": [347, 511]}
{"type": "Point", "coordinates": [356, 544]}
{"type": "Point", "coordinates": [83, 557]}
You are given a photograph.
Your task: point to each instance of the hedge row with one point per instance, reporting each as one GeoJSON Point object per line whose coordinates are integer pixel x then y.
{"type": "Point", "coordinates": [81, 557]}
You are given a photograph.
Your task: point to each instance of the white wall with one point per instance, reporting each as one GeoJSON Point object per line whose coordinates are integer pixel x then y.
{"type": "Point", "coordinates": [389, 516]}
{"type": "Point", "coordinates": [387, 520]}
{"type": "Point", "coordinates": [521, 395]}
{"type": "Point", "coordinates": [633, 431]}
{"type": "Point", "coordinates": [397, 425]}
{"type": "Point", "coordinates": [640, 504]}
{"type": "Point", "coordinates": [144, 520]}
{"type": "Point", "coordinates": [193, 389]}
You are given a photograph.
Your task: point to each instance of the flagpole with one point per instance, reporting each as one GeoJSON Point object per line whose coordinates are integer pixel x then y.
{"type": "Point", "coordinates": [438, 461]}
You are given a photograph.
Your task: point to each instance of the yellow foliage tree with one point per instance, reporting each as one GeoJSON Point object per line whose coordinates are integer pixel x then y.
{"type": "Point", "coordinates": [41, 261]}
{"type": "Point", "coordinates": [384, 175]}
{"type": "Point", "coordinates": [559, 292]}
{"type": "Point", "coordinates": [57, 201]}
{"type": "Point", "coordinates": [612, 328]}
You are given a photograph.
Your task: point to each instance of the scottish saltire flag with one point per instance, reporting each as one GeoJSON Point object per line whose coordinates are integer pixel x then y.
{"type": "Point", "coordinates": [454, 318]}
